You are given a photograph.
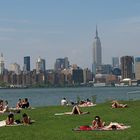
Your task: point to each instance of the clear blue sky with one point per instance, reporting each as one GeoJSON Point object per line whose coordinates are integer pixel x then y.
{"type": "Point", "coordinates": [58, 28]}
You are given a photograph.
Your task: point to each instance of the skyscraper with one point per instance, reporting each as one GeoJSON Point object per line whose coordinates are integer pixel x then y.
{"type": "Point", "coordinates": [1, 64]}
{"type": "Point", "coordinates": [27, 63]}
{"type": "Point", "coordinates": [115, 62]}
{"type": "Point", "coordinates": [40, 65]}
{"type": "Point", "coordinates": [61, 63]}
{"type": "Point", "coordinates": [97, 53]}
{"type": "Point", "coordinates": [137, 68]}
{"type": "Point", "coordinates": [15, 68]}
{"type": "Point", "coordinates": [127, 66]}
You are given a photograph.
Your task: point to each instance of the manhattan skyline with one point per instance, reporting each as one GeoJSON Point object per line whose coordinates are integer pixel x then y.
{"type": "Point", "coordinates": [55, 29]}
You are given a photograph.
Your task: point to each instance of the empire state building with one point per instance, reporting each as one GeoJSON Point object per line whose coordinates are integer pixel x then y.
{"type": "Point", "coordinates": [97, 53]}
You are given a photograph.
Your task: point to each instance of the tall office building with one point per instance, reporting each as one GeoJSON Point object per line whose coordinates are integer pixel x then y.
{"type": "Point", "coordinates": [137, 68]}
{"type": "Point", "coordinates": [15, 68]}
{"type": "Point", "coordinates": [27, 63]}
{"type": "Point", "coordinates": [106, 69]}
{"type": "Point", "coordinates": [61, 63]}
{"type": "Point", "coordinates": [1, 64]}
{"type": "Point", "coordinates": [97, 53]}
{"type": "Point", "coordinates": [40, 65]}
{"type": "Point", "coordinates": [127, 67]}
{"type": "Point", "coordinates": [115, 62]}
{"type": "Point", "coordinates": [87, 75]}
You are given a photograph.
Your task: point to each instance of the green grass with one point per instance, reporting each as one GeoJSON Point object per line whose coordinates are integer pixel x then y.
{"type": "Point", "coordinates": [51, 127]}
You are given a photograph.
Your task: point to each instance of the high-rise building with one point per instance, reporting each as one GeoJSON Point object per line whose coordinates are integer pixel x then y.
{"type": "Point", "coordinates": [15, 68]}
{"type": "Point", "coordinates": [115, 62]}
{"type": "Point", "coordinates": [137, 68]}
{"type": "Point", "coordinates": [27, 63]}
{"type": "Point", "coordinates": [40, 65]}
{"type": "Point", "coordinates": [1, 64]}
{"type": "Point", "coordinates": [127, 67]}
{"type": "Point", "coordinates": [61, 63]}
{"type": "Point", "coordinates": [87, 76]}
{"type": "Point", "coordinates": [106, 69]}
{"type": "Point", "coordinates": [77, 76]}
{"type": "Point", "coordinates": [97, 53]}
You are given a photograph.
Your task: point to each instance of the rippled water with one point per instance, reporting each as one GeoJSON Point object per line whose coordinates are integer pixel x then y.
{"type": "Point", "coordinates": [52, 96]}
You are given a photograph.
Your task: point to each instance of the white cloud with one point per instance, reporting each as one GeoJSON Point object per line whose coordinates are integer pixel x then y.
{"type": "Point", "coordinates": [14, 20]}
{"type": "Point", "coordinates": [6, 39]}
{"type": "Point", "coordinates": [8, 30]}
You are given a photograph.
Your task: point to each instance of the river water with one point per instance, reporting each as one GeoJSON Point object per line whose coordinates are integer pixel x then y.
{"type": "Point", "coordinates": [52, 96]}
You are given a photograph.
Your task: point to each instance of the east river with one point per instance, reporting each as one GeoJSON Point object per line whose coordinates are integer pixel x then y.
{"type": "Point", "coordinates": [53, 96]}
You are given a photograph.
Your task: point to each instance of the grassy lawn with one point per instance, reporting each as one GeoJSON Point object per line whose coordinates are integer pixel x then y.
{"type": "Point", "coordinates": [51, 127]}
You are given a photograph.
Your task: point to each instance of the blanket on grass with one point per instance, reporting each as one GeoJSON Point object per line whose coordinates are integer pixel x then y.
{"type": "Point", "coordinates": [110, 127]}
{"type": "Point", "coordinates": [3, 123]}
{"type": "Point", "coordinates": [71, 113]}
{"type": "Point", "coordinates": [86, 105]}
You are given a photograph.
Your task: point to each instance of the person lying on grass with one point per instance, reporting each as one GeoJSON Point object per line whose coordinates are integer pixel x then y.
{"type": "Point", "coordinates": [76, 110]}
{"type": "Point", "coordinates": [26, 119]}
{"type": "Point", "coordinates": [116, 126]}
{"type": "Point", "coordinates": [86, 103]}
{"type": "Point", "coordinates": [115, 104]}
{"type": "Point", "coordinates": [10, 119]}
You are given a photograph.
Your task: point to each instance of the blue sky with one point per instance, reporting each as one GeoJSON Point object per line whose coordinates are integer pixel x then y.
{"type": "Point", "coordinates": [59, 28]}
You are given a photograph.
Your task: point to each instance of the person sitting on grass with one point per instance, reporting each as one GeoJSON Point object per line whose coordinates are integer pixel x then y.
{"type": "Point", "coordinates": [97, 123]}
{"type": "Point", "coordinates": [10, 119]}
{"type": "Point", "coordinates": [5, 108]}
{"type": "Point", "coordinates": [25, 103]}
{"type": "Point", "coordinates": [64, 102]}
{"type": "Point", "coordinates": [26, 119]}
{"type": "Point", "coordinates": [115, 104]}
{"type": "Point", "coordinates": [1, 105]}
{"type": "Point", "coordinates": [19, 104]}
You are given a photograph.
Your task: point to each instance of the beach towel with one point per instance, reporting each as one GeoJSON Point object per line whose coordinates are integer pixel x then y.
{"type": "Point", "coordinates": [112, 126]}
{"type": "Point", "coordinates": [71, 113]}
{"type": "Point", "coordinates": [87, 105]}
{"type": "Point", "coordinates": [3, 123]}
{"type": "Point", "coordinates": [59, 114]}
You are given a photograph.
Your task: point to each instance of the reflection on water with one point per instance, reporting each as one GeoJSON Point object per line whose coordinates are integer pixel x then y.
{"type": "Point", "coordinates": [52, 96]}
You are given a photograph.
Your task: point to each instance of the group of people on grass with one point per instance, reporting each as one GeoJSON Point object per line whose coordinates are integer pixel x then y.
{"type": "Point", "coordinates": [86, 103]}
{"type": "Point", "coordinates": [3, 106]}
{"type": "Point", "coordinates": [82, 103]}
{"type": "Point", "coordinates": [11, 121]}
{"type": "Point", "coordinates": [22, 103]}
{"type": "Point", "coordinates": [97, 123]}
